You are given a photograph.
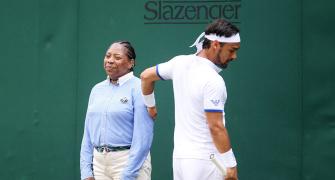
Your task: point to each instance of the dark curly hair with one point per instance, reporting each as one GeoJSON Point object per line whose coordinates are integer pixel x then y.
{"type": "Point", "coordinates": [219, 27]}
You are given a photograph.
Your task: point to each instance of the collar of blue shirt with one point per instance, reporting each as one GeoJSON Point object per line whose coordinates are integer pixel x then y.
{"type": "Point", "coordinates": [122, 79]}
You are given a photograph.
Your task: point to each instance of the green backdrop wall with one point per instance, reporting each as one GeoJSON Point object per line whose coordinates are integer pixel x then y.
{"type": "Point", "coordinates": [281, 104]}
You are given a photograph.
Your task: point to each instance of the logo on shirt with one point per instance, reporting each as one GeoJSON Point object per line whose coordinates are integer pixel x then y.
{"type": "Point", "coordinates": [215, 102]}
{"type": "Point", "coordinates": [124, 100]}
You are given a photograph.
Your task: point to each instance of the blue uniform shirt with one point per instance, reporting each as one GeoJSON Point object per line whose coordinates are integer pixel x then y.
{"type": "Point", "coordinates": [117, 116]}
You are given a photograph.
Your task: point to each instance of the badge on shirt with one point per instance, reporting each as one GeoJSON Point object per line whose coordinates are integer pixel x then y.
{"type": "Point", "coordinates": [215, 102]}
{"type": "Point", "coordinates": [124, 100]}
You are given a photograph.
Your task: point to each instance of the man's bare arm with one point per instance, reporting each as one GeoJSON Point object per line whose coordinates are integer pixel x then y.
{"type": "Point", "coordinates": [218, 131]}
{"type": "Point", "coordinates": [148, 78]}
{"type": "Point", "coordinates": [222, 142]}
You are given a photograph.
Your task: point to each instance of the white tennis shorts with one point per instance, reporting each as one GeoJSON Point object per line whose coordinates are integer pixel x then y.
{"type": "Point", "coordinates": [195, 169]}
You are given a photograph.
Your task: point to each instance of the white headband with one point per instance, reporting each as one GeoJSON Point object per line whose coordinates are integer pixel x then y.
{"type": "Point", "coordinates": [213, 37]}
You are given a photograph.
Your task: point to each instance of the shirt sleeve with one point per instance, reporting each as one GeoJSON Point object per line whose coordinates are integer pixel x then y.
{"type": "Point", "coordinates": [165, 70]}
{"type": "Point", "coordinates": [215, 96]}
{"type": "Point", "coordinates": [86, 152]}
{"type": "Point", "coordinates": [142, 138]}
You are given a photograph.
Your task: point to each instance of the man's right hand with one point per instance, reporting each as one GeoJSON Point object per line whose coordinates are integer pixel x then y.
{"type": "Point", "coordinates": [231, 174]}
{"type": "Point", "coordinates": [90, 178]}
{"type": "Point", "coordinates": [152, 112]}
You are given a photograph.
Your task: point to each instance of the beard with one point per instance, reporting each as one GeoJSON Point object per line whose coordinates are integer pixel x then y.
{"type": "Point", "coordinates": [222, 66]}
{"type": "Point", "coordinates": [219, 64]}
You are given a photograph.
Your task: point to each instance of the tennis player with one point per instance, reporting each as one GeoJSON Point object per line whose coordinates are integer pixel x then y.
{"type": "Point", "coordinates": [200, 95]}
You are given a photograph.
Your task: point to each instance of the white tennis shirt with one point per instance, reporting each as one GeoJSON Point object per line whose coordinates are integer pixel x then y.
{"type": "Point", "coordinates": [198, 88]}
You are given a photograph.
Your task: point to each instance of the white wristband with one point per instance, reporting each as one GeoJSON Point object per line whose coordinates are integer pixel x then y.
{"type": "Point", "coordinates": [228, 159]}
{"type": "Point", "coordinates": [149, 100]}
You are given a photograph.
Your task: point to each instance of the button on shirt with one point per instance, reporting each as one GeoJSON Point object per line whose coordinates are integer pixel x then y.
{"type": "Point", "coordinates": [117, 116]}
{"type": "Point", "coordinates": [198, 88]}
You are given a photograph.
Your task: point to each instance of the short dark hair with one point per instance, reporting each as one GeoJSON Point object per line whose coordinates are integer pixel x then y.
{"type": "Point", "coordinates": [130, 51]}
{"type": "Point", "coordinates": [219, 27]}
